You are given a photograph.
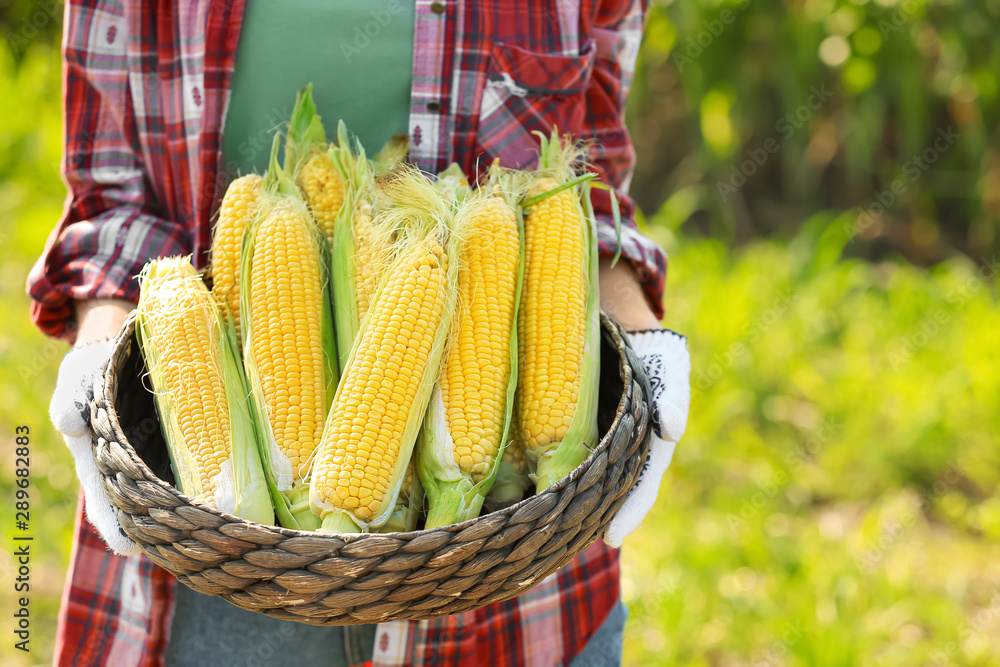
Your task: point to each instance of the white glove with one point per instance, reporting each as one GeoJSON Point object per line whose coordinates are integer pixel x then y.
{"type": "Point", "coordinates": [70, 412]}
{"type": "Point", "coordinates": [665, 356]}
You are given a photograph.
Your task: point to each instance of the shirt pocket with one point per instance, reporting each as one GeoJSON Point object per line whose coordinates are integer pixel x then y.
{"type": "Point", "coordinates": [528, 92]}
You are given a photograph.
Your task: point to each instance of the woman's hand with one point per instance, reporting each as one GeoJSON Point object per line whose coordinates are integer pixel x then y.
{"type": "Point", "coordinates": [665, 356]}
{"type": "Point", "coordinates": [98, 323]}
{"type": "Point", "coordinates": [99, 319]}
{"type": "Point", "coordinates": [622, 297]}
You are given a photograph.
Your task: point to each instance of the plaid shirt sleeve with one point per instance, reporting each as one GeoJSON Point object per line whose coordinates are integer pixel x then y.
{"type": "Point", "coordinates": [110, 224]}
{"type": "Point", "coordinates": [617, 32]}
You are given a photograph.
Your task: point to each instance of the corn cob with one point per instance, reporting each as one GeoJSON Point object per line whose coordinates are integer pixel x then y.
{"type": "Point", "coordinates": [200, 391]}
{"type": "Point", "coordinates": [239, 207]}
{"type": "Point", "coordinates": [289, 349]}
{"type": "Point", "coordinates": [470, 414]}
{"type": "Point", "coordinates": [324, 190]}
{"type": "Point", "coordinates": [385, 388]}
{"type": "Point", "coordinates": [336, 181]}
{"type": "Point", "coordinates": [380, 402]}
{"type": "Point", "coordinates": [409, 505]}
{"type": "Point", "coordinates": [453, 184]}
{"type": "Point", "coordinates": [513, 476]}
{"type": "Point", "coordinates": [558, 321]}
{"type": "Point", "coordinates": [361, 247]}
{"type": "Point", "coordinates": [393, 152]}
{"type": "Point", "coordinates": [306, 157]}
{"type": "Point", "coordinates": [373, 249]}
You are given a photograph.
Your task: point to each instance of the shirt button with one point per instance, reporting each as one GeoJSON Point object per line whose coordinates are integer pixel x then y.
{"type": "Point", "coordinates": [434, 106]}
{"type": "Point", "coordinates": [437, 7]}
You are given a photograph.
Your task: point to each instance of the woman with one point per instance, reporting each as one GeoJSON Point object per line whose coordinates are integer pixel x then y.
{"type": "Point", "coordinates": [165, 104]}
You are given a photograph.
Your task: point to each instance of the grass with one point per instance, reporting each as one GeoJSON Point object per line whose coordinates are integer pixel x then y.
{"type": "Point", "coordinates": [833, 501]}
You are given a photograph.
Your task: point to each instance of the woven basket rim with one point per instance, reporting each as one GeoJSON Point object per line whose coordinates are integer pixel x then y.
{"type": "Point", "coordinates": [126, 336]}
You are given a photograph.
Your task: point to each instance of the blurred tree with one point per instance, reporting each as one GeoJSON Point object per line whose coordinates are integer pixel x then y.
{"type": "Point", "coordinates": [24, 22]}
{"type": "Point", "coordinates": [775, 110]}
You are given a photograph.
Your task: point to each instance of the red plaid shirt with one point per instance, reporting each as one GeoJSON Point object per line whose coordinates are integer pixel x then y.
{"type": "Point", "coordinates": [146, 86]}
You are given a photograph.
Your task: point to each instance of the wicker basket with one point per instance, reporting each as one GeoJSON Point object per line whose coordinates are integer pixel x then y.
{"type": "Point", "coordinates": [366, 578]}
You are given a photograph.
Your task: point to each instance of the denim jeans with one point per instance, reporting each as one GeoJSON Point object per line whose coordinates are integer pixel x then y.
{"type": "Point", "coordinates": [207, 631]}
{"type": "Point", "coordinates": [605, 648]}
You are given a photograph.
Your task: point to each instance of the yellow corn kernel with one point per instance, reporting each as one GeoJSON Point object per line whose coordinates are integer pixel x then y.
{"type": "Point", "coordinates": [239, 206]}
{"type": "Point", "coordinates": [552, 318]}
{"type": "Point", "coordinates": [324, 190]}
{"type": "Point", "coordinates": [360, 453]}
{"type": "Point", "coordinates": [476, 372]}
{"type": "Point", "coordinates": [287, 292]}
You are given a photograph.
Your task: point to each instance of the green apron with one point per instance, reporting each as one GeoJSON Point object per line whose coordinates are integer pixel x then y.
{"type": "Point", "coordinates": [357, 55]}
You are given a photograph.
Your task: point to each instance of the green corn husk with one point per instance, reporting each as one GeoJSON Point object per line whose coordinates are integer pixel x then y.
{"type": "Point", "coordinates": [306, 138]}
{"type": "Point", "coordinates": [289, 492]}
{"type": "Point", "coordinates": [453, 184]}
{"type": "Point", "coordinates": [306, 134]}
{"type": "Point", "coordinates": [454, 494]}
{"type": "Point", "coordinates": [409, 505]}
{"type": "Point", "coordinates": [346, 155]}
{"type": "Point", "coordinates": [240, 487]}
{"type": "Point", "coordinates": [557, 459]}
{"type": "Point", "coordinates": [359, 208]}
{"type": "Point", "coordinates": [393, 152]}
{"type": "Point", "coordinates": [512, 480]}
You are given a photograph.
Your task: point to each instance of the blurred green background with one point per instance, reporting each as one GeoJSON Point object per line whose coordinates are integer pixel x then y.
{"type": "Point", "coordinates": [834, 501]}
